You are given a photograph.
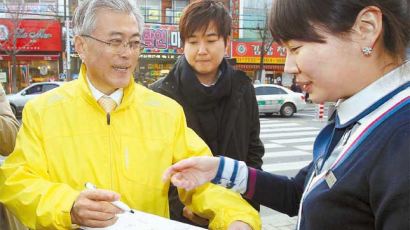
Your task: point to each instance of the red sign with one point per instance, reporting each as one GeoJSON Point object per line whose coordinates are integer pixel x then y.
{"type": "Point", "coordinates": [250, 52]}
{"type": "Point", "coordinates": [31, 35]}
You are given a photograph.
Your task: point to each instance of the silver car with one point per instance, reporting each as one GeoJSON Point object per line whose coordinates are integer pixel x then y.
{"type": "Point", "coordinates": [18, 100]}
{"type": "Point", "coordinates": [277, 99]}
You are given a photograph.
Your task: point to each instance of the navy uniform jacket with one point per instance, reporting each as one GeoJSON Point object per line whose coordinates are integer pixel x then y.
{"type": "Point", "coordinates": [361, 178]}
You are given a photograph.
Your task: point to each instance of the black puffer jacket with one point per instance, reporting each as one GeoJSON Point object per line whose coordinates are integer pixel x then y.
{"type": "Point", "coordinates": [225, 116]}
{"type": "Point", "coordinates": [240, 127]}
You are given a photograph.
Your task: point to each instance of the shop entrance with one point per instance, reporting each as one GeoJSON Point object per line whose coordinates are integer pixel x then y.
{"type": "Point", "coordinates": [22, 73]}
{"type": "Point", "coordinates": [23, 76]}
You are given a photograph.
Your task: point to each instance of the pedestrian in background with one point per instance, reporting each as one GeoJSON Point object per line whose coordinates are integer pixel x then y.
{"type": "Point", "coordinates": [8, 125]}
{"type": "Point", "coordinates": [8, 132]}
{"type": "Point", "coordinates": [105, 129]}
{"type": "Point", "coordinates": [353, 52]}
{"type": "Point", "coordinates": [295, 87]}
{"type": "Point", "coordinates": [219, 102]}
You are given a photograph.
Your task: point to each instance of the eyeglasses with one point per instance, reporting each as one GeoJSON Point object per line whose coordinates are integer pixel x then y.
{"type": "Point", "coordinates": [118, 46]}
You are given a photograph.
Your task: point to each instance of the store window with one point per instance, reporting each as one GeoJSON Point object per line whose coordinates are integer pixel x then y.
{"type": "Point", "coordinates": [178, 6]}
{"type": "Point", "coordinates": [151, 9]}
{"type": "Point", "coordinates": [30, 71]}
{"type": "Point", "coordinates": [174, 14]}
{"type": "Point", "coordinates": [4, 73]}
{"type": "Point", "coordinates": [40, 71]}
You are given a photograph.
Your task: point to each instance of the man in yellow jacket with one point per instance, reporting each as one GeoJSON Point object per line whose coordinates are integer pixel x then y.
{"type": "Point", "coordinates": [104, 129]}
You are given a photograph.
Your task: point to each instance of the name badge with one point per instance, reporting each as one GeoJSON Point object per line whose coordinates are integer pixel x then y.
{"type": "Point", "coordinates": [330, 179]}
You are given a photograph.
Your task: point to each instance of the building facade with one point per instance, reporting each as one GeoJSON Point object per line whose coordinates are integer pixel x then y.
{"type": "Point", "coordinates": [30, 40]}
{"type": "Point", "coordinates": [38, 61]}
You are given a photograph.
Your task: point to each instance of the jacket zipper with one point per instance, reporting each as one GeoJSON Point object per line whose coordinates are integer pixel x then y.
{"type": "Point", "coordinates": [108, 119]}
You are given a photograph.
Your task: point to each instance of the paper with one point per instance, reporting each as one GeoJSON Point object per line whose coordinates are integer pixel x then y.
{"type": "Point", "coordinates": [145, 221]}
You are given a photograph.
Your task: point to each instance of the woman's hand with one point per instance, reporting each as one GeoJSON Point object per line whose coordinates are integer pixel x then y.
{"type": "Point", "coordinates": [192, 172]}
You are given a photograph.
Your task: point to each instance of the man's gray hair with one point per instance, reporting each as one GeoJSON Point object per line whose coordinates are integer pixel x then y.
{"type": "Point", "coordinates": [85, 15]}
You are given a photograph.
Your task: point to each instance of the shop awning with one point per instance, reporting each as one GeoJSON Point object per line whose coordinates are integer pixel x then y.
{"type": "Point", "coordinates": [29, 57]}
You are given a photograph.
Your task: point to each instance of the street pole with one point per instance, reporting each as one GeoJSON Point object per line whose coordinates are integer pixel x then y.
{"type": "Point", "coordinates": [67, 41]}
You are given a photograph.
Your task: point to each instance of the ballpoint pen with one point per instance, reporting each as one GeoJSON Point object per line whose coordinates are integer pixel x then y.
{"type": "Point", "coordinates": [116, 203]}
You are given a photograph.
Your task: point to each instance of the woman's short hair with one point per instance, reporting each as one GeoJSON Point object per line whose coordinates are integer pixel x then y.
{"type": "Point", "coordinates": [199, 14]}
{"type": "Point", "coordinates": [293, 20]}
{"type": "Point", "coordinates": [85, 15]}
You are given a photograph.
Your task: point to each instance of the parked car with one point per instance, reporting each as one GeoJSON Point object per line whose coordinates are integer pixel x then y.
{"type": "Point", "coordinates": [277, 99]}
{"type": "Point", "coordinates": [18, 100]}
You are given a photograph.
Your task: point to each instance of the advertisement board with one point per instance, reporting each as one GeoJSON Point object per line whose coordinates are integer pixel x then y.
{"type": "Point", "coordinates": [250, 52]}
{"type": "Point", "coordinates": [161, 39]}
{"type": "Point", "coordinates": [31, 35]}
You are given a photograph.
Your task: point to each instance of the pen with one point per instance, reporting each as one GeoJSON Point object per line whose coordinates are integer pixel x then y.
{"type": "Point", "coordinates": [116, 203]}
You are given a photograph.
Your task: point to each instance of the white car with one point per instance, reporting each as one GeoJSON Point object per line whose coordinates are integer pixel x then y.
{"type": "Point", "coordinates": [18, 100]}
{"type": "Point", "coordinates": [277, 99]}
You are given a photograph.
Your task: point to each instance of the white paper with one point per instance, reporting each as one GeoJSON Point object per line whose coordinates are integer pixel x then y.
{"type": "Point", "coordinates": [145, 221]}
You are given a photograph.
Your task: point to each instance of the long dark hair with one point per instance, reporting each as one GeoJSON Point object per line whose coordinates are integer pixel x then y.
{"type": "Point", "coordinates": [293, 20]}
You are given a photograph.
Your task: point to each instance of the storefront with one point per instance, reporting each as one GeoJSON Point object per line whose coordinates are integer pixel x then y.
{"type": "Point", "coordinates": [37, 51]}
{"type": "Point", "coordinates": [162, 49]}
{"type": "Point", "coordinates": [247, 56]}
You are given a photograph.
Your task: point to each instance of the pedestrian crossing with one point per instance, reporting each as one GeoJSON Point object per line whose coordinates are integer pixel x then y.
{"type": "Point", "coordinates": [288, 145]}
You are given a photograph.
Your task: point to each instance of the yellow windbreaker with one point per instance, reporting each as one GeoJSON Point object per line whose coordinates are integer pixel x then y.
{"type": "Point", "coordinates": [66, 141]}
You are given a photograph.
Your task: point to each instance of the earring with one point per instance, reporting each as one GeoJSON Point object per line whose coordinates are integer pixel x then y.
{"type": "Point", "coordinates": [367, 51]}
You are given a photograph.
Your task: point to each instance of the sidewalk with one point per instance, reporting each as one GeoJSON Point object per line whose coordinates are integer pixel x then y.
{"type": "Point", "coordinates": [278, 222]}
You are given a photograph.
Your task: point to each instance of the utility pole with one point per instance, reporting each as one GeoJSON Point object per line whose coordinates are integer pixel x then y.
{"type": "Point", "coordinates": [265, 46]}
{"type": "Point", "coordinates": [67, 41]}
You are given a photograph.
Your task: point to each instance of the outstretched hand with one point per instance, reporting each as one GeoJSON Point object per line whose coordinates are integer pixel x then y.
{"type": "Point", "coordinates": [192, 172]}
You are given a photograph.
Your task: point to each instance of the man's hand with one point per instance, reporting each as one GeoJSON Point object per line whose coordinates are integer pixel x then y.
{"type": "Point", "coordinates": [93, 208]}
{"type": "Point", "coordinates": [236, 225]}
{"type": "Point", "coordinates": [187, 213]}
{"type": "Point", "coordinates": [192, 172]}
{"type": "Point", "coordinates": [239, 225]}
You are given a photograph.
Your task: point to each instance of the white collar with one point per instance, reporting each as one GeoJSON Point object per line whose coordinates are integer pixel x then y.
{"type": "Point", "coordinates": [216, 80]}
{"type": "Point", "coordinates": [116, 95]}
{"type": "Point", "coordinates": [349, 109]}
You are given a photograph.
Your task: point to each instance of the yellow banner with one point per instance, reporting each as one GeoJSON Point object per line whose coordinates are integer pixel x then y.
{"type": "Point", "coordinates": [257, 60]}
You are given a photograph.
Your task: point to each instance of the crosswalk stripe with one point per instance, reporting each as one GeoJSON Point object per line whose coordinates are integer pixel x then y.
{"type": "Point", "coordinates": [263, 130]}
{"type": "Point", "coordinates": [285, 166]}
{"type": "Point", "coordinates": [270, 121]}
{"type": "Point", "coordinates": [289, 153]}
{"type": "Point", "coordinates": [290, 134]}
{"type": "Point", "coordinates": [293, 140]}
{"type": "Point", "coordinates": [272, 145]}
{"type": "Point", "coordinates": [280, 125]}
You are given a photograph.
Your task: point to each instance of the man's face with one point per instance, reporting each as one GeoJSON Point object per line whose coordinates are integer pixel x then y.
{"type": "Point", "coordinates": [204, 51]}
{"type": "Point", "coordinates": [108, 67]}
